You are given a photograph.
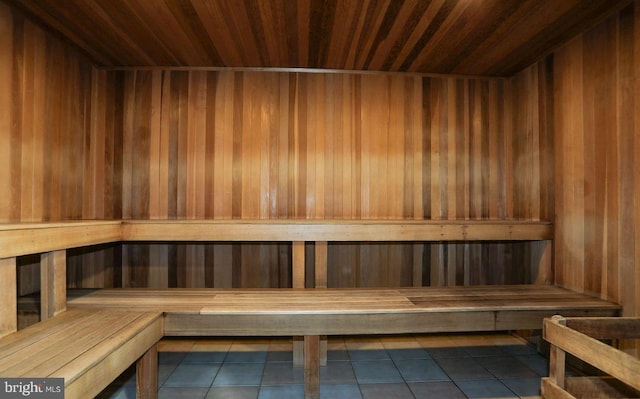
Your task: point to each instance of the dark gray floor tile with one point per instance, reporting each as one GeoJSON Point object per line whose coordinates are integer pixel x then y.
{"type": "Point", "coordinates": [164, 371]}
{"type": "Point", "coordinates": [523, 387]}
{"type": "Point", "coordinates": [482, 351]}
{"type": "Point", "coordinates": [239, 374]}
{"type": "Point", "coordinates": [277, 373]}
{"type": "Point", "coordinates": [408, 353]}
{"type": "Point", "coordinates": [281, 392]}
{"type": "Point", "coordinates": [204, 357]}
{"type": "Point", "coordinates": [233, 393]}
{"type": "Point", "coordinates": [340, 391]}
{"type": "Point", "coordinates": [516, 350]}
{"type": "Point", "coordinates": [338, 355]}
{"type": "Point", "coordinates": [439, 353]}
{"type": "Point", "coordinates": [436, 390]}
{"type": "Point", "coordinates": [536, 363]}
{"type": "Point", "coordinates": [485, 389]}
{"type": "Point", "coordinates": [366, 354]}
{"type": "Point", "coordinates": [421, 370]}
{"type": "Point", "coordinates": [246, 357]}
{"type": "Point", "coordinates": [171, 357]}
{"type": "Point", "coordinates": [377, 371]}
{"type": "Point", "coordinates": [386, 391]}
{"type": "Point", "coordinates": [506, 367]}
{"type": "Point", "coordinates": [337, 373]}
{"type": "Point", "coordinates": [280, 356]}
{"type": "Point", "coordinates": [182, 393]}
{"type": "Point", "coordinates": [464, 368]}
{"type": "Point", "coordinates": [192, 375]}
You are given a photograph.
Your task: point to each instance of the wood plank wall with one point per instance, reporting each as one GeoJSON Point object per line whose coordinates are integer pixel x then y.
{"type": "Point", "coordinates": [597, 86]}
{"type": "Point", "coordinates": [84, 143]}
{"type": "Point", "coordinates": [57, 156]}
{"type": "Point", "coordinates": [595, 112]}
{"type": "Point", "coordinates": [265, 144]}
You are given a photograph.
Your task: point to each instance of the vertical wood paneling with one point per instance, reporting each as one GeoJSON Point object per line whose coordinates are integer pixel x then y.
{"type": "Point", "coordinates": [52, 127]}
{"type": "Point", "coordinates": [58, 145]}
{"type": "Point", "coordinates": [239, 144]}
{"type": "Point", "coordinates": [309, 145]}
{"type": "Point", "coordinates": [594, 109]}
{"type": "Point", "coordinates": [6, 106]}
{"type": "Point", "coordinates": [350, 149]}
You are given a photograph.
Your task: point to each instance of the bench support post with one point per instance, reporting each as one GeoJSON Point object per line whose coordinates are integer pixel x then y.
{"type": "Point", "coordinates": [557, 365]}
{"type": "Point", "coordinates": [298, 281]}
{"type": "Point", "coordinates": [321, 281]}
{"type": "Point", "coordinates": [311, 367]}
{"type": "Point", "coordinates": [8, 297]}
{"type": "Point", "coordinates": [147, 374]}
{"type": "Point", "coordinates": [418, 253]}
{"type": "Point", "coordinates": [557, 359]}
{"type": "Point", "coordinates": [53, 283]}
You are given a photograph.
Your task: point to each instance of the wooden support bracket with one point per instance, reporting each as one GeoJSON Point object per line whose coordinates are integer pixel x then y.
{"type": "Point", "coordinates": [8, 297]}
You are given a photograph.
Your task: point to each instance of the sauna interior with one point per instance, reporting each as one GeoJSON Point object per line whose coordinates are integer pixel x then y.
{"type": "Point", "coordinates": [464, 111]}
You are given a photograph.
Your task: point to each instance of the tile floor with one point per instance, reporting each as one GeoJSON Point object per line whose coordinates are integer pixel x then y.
{"type": "Point", "coordinates": [427, 366]}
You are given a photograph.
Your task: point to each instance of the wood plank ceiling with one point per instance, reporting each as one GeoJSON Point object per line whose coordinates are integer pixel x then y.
{"type": "Point", "coordinates": [465, 37]}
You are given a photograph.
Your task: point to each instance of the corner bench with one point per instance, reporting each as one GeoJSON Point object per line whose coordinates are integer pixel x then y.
{"type": "Point", "coordinates": [313, 313]}
{"type": "Point", "coordinates": [88, 349]}
{"type": "Point", "coordinates": [299, 311]}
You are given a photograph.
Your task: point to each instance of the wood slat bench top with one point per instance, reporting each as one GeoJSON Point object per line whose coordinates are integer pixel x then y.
{"type": "Point", "coordinates": [367, 301]}
{"type": "Point", "coordinates": [88, 348]}
{"type": "Point", "coordinates": [254, 312]}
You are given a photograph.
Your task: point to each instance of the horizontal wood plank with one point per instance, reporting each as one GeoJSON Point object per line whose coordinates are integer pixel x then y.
{"type": "Point", "coordinates": [18, 239]}
{"type": "Point", "coordinates": [31, 238]}
{"type": "Point", "coordinates": [610, 360]}
{"type": "Point", "coordinates": [334, 230]}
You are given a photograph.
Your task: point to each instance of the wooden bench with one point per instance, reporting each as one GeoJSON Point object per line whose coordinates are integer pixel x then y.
{"type": "Point", "coordinates": [581, 337]}
{"type": "Point", "coordinates": [88, 349]}
{"type": "Point", "coordinates": [300, 311]}
{"type": "Point", "coordinates": [319, 312]}
{"type": "Point", "coordinates": [52, 239]}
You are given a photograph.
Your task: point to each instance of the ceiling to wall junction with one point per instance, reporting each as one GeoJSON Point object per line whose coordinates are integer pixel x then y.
{"type": "Point", "coordinates": [463, 37]}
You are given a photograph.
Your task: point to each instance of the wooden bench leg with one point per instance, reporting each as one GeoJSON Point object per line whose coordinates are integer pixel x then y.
{"type": "Point", "coordinates": [8, 297]}
{"type": "Point", "coordinates": [311, 367]}
{"type": "Point", "coordinates": [147, 375]}
{"type": "Point", "coordinates": [557, 365]}
{"type": "Point", "coordinates": [321, 281]}
{"type": "Point", "coordinates": [298, 277]}
{"type": "Point", "coordinates": [53, 283]}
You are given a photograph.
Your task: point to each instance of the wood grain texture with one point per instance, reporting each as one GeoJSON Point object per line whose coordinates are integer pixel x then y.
{"type": "Point", "coordinates": [56, 152]}
{"type": "Point", "coordinates": [596, 124]}
{"type": "Point", "coordinates": [59, 154]}
{"type": "Point", "coordinates": [613, 362]}
{"type": "Point", "coordinates": [53, 280]}
{"type": "Point", "coordinates": [88, 349]}
{"type": "Point", "coordinates": [340, 146]}
{"type": "Point", "coordinates": [8, 317]}
{"type": "Point", "coordinates": [265, 145]}
{"type": "Point", "coordinates": [186, 144]}
{"type": "Point", "coordinates": [446, 36]}
{"type": "Point", "coordinates": [255, 312]}
{"type": "Point", "coordinates": [587, 93]}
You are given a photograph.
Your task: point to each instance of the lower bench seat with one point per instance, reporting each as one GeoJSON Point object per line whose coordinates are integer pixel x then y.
{"type": "Point", "coordinates": [318, 312]}
{"type": "Point", "coordinates": [88, 348]}
{"type": "Point", "coordinates": [273, 312]}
